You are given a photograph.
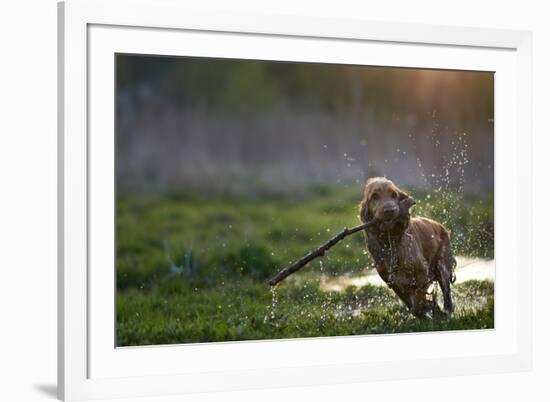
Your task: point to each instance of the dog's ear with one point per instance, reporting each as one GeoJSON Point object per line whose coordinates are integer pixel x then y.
{"type": "Point", "coordinates": [402, 195]}
{"type": "Point", "coordinates": [405, 199]}
{"type": "Point", "coordinates": [406, 203]}
{"type": "Point", "coordinates": [364, 213]}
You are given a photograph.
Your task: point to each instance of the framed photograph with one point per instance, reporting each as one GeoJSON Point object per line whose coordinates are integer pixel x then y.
{"type": "Point", "coordinates": [254, 201]}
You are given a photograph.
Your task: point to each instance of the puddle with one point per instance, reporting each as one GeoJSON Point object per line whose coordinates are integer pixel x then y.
{"type": "Point", "coordinates": [468, 268]}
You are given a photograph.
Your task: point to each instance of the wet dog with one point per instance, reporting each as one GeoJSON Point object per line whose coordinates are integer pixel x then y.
{"type": "Point", "coordinates": [409, 253]}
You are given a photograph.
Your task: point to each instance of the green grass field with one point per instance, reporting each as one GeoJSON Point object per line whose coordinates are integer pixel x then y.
{"type": "Point", "coordinates": [194, 269]}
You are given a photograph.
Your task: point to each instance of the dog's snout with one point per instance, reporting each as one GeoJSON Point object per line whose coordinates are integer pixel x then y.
{"type": "Point", "coordinates": [389, 210]}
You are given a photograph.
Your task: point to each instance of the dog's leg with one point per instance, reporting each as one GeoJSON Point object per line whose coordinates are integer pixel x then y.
{"type": "Point", "coordinates": [444, 266]}
{"type": "Point", "coordinates": [403, 295]}
{"type": "Point", "coordinates": [436, 310]}
{"type": "Point", "coordinates": [422, 307]}
{"type": "Point", "coordinates": [444, 281]}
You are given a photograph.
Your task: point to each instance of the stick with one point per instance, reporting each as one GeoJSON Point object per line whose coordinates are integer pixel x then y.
{"type": "Point", "coordinates": [404, 206]}
{"type": "Point", "coordinates": [319, 252]}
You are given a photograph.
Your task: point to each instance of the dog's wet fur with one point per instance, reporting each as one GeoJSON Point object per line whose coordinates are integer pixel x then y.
{"type": "Point", "coordinates": [410, 253]}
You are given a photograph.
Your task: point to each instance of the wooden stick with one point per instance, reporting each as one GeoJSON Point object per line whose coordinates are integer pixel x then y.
{"type": "Point", "coordinates": [319, 252]}
{"type": "Point", "coordinates": [404, 206]}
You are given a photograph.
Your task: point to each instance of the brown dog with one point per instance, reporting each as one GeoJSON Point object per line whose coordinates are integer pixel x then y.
{"type": "Point", "coordinates": [409, 253]}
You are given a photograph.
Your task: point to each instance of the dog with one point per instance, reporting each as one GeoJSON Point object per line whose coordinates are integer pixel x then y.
{"type": "Point", "coordinates": [409, 253]}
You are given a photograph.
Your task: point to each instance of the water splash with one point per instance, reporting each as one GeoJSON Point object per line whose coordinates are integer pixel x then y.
{"type": "Point", "coordinates": [272, 308]}
{"type": "Point", "coordinates": [448, 196]}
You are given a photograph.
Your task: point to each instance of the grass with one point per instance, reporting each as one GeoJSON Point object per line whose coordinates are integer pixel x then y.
{"type": "Point", "coordinates": [193, 269]}
{"type": "Point", "coordinates": [178, 313]}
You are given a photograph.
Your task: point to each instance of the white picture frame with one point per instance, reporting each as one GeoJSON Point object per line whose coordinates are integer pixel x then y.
{"type": "Point", "coordinates": [90, 366]}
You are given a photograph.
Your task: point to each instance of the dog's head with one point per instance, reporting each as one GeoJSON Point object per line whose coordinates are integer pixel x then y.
{"type": "Point", "coordinates": [383, 201]}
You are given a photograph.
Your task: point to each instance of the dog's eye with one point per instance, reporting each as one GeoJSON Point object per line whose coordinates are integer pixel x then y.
{"type": "Point", "coordinates": [375, 196]}
{"type": "Point", "coordinates": [393, 194]}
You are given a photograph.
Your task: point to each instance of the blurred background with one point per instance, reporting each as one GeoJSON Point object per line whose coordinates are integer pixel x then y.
{"type": "Point", "coordinates": [228, 170]}
{"type": "Point", "coordinates": [237, 125]}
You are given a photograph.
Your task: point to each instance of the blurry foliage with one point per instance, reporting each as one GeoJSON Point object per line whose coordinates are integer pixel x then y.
{"type": "Point", "coordinates": [257, 85]}
{"type": "Point", "coordinates": [214, 239]}
{"type": "Point", "coordinates": [215, 125]}
{"type": "Point", "coordinates": [251, 259]}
